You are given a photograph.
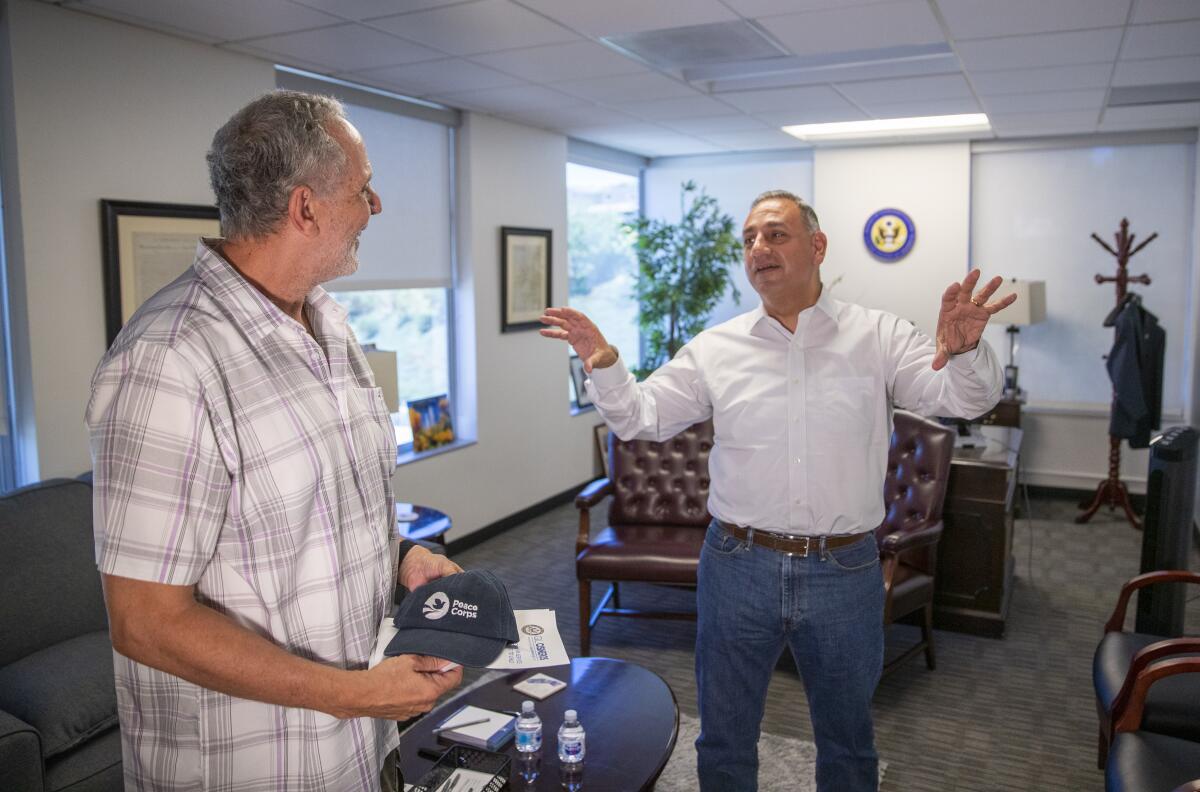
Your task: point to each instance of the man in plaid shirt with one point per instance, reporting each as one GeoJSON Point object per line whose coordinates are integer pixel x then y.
{"type": "Point", "coordinates": [243, 505]}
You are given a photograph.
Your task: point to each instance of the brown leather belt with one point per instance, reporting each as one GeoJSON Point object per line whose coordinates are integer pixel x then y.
{"type": "Point", "coordinates": [791, 545]}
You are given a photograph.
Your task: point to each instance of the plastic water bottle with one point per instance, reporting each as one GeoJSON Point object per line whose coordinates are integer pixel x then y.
{"type": "Point", "coordinates": [529, 729]}
{"type": "Point", "coordinates": [571, 747]}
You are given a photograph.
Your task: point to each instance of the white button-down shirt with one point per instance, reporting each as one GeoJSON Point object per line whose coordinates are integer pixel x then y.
{"type": "Point", "coordinates": [802, 420]}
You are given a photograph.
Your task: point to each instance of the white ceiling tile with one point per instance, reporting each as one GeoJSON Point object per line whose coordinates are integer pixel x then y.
{"type": "Point", "coordinates": [803, 115]}
{"type": "Point", "coordinates": [514, 99]}
{"type": "Point", "coordinates": [576, 60]}
{"type": "Point", "coordinates": [755, 140]}
{"type": "Point", "coordinates": [1012, 124]}
{"type": "Point", "coordinates": [216, 20]}
{"type": "Point", "coordinates": [1044, 102]}
{"type": "Point", "coordinates": [1046, 49]}
{"type": "Point", "coordinates": [989, 18]}
{"type": "Point", "coordinates": [1157, 70]}
{"type": "Point", "coordinates": [1145, 11]}
{"type": "Point", "coordinates": [1182, 112]}
{"type": "Point", "coordinates": [856, 27]}
{"type": "Point", "coordinates": [943, 86]}
{"type": "Point", "coordinates": [612, 17]}
{"type": "Point", "coordinates": [348, 47]}
{"type": "Point", "coordinates": [445, 76]}
{"type": "Point", "coordinates": [702, 127]}
{"type": "Point", "coordinates": [358, 10]}
{"type": "Point", "coordinates": [778, 100]}
{"type": "Point", "coordinates": [285, 60]}
{"type": "Point", "coordinates": [923, 107]}
{"type": "Point", "coordinates": [576, 117]}
{"type": "Point", "coordinates": [646, 139]}
{"type": "Point", "coordinates": [679, 107]}
{"type": "Point", "coordinates": [1164, 40]}
{"type": "Point", "coordinates": [1050, 78]}
{"type": "Point", "coordinates": [762, 8]}
{"type": "Point", "coordinates": [627, 88]}
{"type": "Point", "coordinates": [471, 28]}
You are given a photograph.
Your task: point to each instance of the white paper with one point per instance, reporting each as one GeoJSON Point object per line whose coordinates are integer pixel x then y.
{"type": "Point", "coordinates": [539, 645]}
{"type": "Point", "coordinates": [464, 780]}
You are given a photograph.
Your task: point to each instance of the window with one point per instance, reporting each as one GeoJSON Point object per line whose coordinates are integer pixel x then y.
{"type": "Point", "coordinates": [601, 264]}
{"type": "Point", "coordinates": [400, 300]}
{"type": "Point", "coordinates": [415, 324]}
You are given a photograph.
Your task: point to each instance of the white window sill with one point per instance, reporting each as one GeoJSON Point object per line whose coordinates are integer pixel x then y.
{"type": "Point", "coordinates": [410, 456]}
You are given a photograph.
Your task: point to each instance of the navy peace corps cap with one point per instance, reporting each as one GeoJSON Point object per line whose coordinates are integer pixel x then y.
{"type": "Point", "coordinates": [466, 618]}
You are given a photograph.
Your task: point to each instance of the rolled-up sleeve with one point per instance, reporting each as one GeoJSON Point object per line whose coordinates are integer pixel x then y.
{"type": "Point", "coordinates": [161, 488]}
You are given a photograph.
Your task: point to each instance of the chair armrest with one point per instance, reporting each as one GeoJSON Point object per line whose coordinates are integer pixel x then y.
{"type": "Point", "coordinates": [593, 493]}
{"type": "Point", "coordinates": [1131, 717]}
{"type": "Point", "coordinates": [20, 754]}
{"type": "Point", "coordinates": [1117, 621]}
{"type": "Point", "coordinates": [1145, 657]}
{"type": "Point", "coordinates": [899, 541]}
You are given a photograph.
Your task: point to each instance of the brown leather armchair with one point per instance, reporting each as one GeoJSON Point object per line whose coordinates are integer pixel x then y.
{"type": "Point", "coordinates": [1141, 759]}
{"type": "Point", "coordinates": [914, 488]}
{"type": "Point", "coordinates": [656, 522]}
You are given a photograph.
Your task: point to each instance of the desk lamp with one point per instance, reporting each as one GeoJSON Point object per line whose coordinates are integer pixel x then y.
{"type": "Point", "coordinates": [1030, 308]}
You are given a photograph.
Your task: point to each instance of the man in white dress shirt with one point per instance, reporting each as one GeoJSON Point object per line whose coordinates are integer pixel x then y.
{"type": "Point", "coordinates": [801, 391]}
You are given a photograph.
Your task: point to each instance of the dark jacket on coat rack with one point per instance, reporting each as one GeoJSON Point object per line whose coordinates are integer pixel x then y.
{"type": "Point", "coordinates": [1135, 366]}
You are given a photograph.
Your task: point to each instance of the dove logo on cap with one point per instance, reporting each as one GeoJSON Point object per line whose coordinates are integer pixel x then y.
{"type": "Point", "coordinates": [437, 606]}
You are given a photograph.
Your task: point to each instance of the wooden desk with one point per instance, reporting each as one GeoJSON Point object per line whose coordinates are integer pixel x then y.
{"type": "Point", "coordinates": [974, 557]}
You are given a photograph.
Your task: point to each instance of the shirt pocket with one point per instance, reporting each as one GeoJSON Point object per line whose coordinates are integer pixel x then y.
{"type": "Point", "coordinates": [841, 415]}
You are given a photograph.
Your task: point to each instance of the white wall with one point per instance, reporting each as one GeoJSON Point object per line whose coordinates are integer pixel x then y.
{"type": "Point", "coordinates": [131, 113]}
{"type": "Point", "coordinates": [734, 181]}
{"type": "Point", "coordinates": [930, 183]}
{"type": "Point", "coordinates": [530, 447]}
{"type": "Point", "coordinates": [103, 110]}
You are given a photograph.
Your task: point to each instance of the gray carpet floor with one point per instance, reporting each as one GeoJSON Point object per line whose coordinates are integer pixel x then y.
{"type": "Point", "coordinates": [1015, 713]}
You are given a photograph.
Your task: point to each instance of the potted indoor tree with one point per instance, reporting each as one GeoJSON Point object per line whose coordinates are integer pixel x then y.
{"type": "Point", "coordinates": [683, 271]}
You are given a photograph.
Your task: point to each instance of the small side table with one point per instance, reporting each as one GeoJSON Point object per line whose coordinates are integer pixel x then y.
{"type": "Point", "coordinates": [431, 525]}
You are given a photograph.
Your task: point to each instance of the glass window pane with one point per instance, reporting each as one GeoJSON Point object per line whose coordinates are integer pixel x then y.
{"type": "Point", "coordinates": [602, 267]}
{"type": "Point", "coordinates": [413, 324]}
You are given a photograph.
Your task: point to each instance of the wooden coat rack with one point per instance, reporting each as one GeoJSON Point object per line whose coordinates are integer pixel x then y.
{"type": "Point", "coordinates": [1112, 491]}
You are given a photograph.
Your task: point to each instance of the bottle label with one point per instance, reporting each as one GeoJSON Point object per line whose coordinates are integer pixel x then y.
{"type": "Point", "coordinates": [572, 748]}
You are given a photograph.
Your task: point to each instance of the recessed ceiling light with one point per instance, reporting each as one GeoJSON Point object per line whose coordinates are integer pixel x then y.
{"type": "Point", "coordinates": [890, 127]}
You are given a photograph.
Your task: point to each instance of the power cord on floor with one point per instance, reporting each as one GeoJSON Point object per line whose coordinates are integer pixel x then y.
{"type": "Point", "coordinates": [1029, 520]}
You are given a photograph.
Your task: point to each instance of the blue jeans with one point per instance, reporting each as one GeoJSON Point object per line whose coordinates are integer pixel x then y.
{"type": "Point", "coordinates": [828, 607]}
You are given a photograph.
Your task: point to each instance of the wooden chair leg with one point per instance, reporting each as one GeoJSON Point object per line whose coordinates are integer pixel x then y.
{"type": "Point", "coordinates": [927, 636]}
{"type": "Point", "coordinates": [585, 614]}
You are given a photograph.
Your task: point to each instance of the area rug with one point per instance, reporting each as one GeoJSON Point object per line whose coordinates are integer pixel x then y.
{"type": "Point", "coordinates": [783, 762]}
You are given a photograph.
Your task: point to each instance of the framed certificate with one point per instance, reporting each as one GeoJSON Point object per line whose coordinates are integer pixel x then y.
{"type": "Point", "coordinates": [524, 277]}
{"type": "Point", "coordinates": [146, 246]}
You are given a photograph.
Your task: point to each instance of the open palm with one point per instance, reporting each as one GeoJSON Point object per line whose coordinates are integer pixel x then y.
{"type": "Point", "coordinates": [964, 315]}
{"type": "Point", "coordinates": [582, 334]}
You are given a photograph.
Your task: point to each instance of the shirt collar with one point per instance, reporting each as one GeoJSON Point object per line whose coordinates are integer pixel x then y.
{"type": "Point", "coordinates": [249, 308]}
{"type": "Point", "coordinates": [825, 304]}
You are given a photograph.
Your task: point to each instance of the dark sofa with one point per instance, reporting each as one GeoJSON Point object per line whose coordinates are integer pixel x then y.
{"type": "Point", "coordinates": [58, 709]}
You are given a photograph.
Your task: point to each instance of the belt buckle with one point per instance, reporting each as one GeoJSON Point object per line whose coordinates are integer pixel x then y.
{"type": "Point", "coordinates": [799, 553]}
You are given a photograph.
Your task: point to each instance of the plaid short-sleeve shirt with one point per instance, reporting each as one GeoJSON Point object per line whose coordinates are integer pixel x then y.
{"type": "Point", "coordinates": [234, 452]}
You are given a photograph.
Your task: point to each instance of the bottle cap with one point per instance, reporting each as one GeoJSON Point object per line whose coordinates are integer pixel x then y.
{"type": "Point", "coordinates": [526, 706]}
{"type": "Point", "coordinates": [570, 715]}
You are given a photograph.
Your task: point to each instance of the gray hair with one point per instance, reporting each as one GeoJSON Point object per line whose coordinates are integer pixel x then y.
{"type": "Point", "coordinates": [270, 147]}
{"type": "Point", "coordinates": [807, 212]}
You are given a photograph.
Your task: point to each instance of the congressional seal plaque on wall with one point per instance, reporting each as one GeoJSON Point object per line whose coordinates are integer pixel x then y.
{"type": "Point", "coordinates": [889, 234]}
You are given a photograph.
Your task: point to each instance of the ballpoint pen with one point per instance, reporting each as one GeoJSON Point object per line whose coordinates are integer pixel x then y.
{"type": "Point", "coordinates": [448, 726]}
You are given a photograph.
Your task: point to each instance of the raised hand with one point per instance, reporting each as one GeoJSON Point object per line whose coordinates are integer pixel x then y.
{"type": "Point", "coordinates": [584, 337]}
{"type": "Point", "coordinates": [964, 315]}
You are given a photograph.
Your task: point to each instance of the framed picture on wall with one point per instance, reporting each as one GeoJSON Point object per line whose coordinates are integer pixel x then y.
{"type": "Point", "coordinates": [524, 277]}
{"type": "Point", "coordinates": [578, 377]}
{"type": "Point", "coordinates": [146, 246]}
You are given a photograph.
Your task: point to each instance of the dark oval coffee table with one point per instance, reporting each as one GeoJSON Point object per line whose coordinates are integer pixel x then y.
{"type": "Point", "coordinates": [629, 713]}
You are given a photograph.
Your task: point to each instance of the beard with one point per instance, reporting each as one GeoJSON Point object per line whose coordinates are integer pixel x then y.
{"type": "Point", "coordinates": [346, 261]}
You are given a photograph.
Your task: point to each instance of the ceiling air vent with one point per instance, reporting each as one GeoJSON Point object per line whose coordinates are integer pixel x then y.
{"type": "Point", "coordinates": [696, 45]}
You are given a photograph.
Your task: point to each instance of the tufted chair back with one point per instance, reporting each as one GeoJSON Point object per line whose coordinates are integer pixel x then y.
{"type": "Point", "coordinates": [661, 483]}
{"type": "Point", "coordinates": [914, 486]}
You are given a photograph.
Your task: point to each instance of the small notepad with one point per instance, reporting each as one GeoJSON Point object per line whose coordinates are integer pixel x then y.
{"type": "Point", "coordinates": [489, 735]}
{"type": "Point", "coordinates": [539, 686]}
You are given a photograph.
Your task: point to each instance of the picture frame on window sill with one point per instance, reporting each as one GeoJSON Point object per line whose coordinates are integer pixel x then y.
{"type": "Point", "coordinates": [578, 378]}
{"type": "Point", "coordinates": [525, 261]}
{"type": "Point", "coordinates": [146, 246]}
